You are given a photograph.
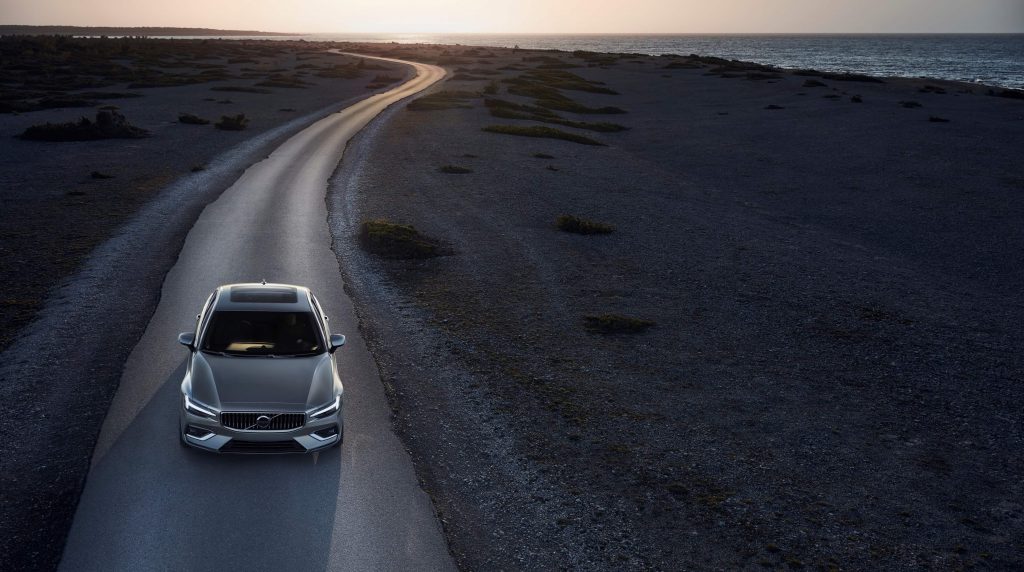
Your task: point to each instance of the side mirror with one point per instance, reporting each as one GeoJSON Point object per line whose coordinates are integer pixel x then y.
{"type": "Point", "coordinates": [337, 340]}
{"type": "Point", "coordinates": [187, 339]}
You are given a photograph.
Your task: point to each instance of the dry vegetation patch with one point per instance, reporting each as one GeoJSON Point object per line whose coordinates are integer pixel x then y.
{"type": "Point", "coordinates": [232, 122]}
{"type": "Point", "coordinates": [109, 124]}
{"type": "Point", "coordinates": [400, 241]}
{"type": "Point", "coordinates": [615, 324]}
{"type": "Point", "coordinates": [444, 100]}
{"type": "Point", "coordinates": [577, 225]}
{"type": "Point", "coordinates": [541, 131]}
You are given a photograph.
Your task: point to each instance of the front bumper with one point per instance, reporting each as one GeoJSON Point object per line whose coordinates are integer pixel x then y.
{"type": "Point", "coordinates": [210, 435]}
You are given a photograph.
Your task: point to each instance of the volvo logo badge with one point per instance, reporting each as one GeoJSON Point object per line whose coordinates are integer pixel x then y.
{"type": "Point", "coordinates": [263, 421]}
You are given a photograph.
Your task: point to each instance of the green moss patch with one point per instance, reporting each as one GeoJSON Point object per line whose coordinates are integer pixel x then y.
{"type": "Point", "coordinates": [109, 124]}
{"type": "Point", "coordinates": [510, 110]}
{"type": "Point", "coordinates": [541, 131]}
{"type": "Point", "coordinates": [190, 119]}
{"type": "Point", "coordinates": [615, 324]}
{"type": "Point", "coordinates": [401, 241]}
{"type": "Point", "coordinates": [232, 122]}
{"type": "Point", "coordinates": [577, 225]}
{"type": "Point", "coordinates": [444, 100]}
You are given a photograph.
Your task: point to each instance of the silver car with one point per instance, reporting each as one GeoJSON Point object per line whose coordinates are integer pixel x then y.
{"type": "Point", "coordinates": [261, 376]}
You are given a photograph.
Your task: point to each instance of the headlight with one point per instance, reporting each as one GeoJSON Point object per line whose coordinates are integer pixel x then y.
{"type": "Point", "coordinates": [329, 409]}
{"type": "Point", "coordinates": [200, 409]}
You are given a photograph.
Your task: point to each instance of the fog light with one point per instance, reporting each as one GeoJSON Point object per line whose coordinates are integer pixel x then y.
{"type": "Point", "coordinates": [198, 433]}
{"type": "Point", "coordinates": [325, 434]}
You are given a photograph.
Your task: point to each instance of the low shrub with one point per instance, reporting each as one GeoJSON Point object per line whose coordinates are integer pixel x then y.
{"type": "Point", "coordinates": [109, 94]}
{"type": "Point", "coordinates": [814, 83]}
{"type": "Point", "coordinates": [455, 170]}
{"type": "Point", "coordinates": [615, 324]}
{"type": "Point", "coordinates": [109, 124]}
{"type": "Point", "coordinates": [468, 77]}
{"type": "Point", "coordinates": [565, 104]}
{"type": "Point", "coordinates": [509, 110]}
{"type": "Point", "coordinates": [240, 89]}
{"type": "Point", "coordinates": [935, 119]}
{"type": "Point", "coordinates": [851, 77]}
{"type": "Point", "coordinates": [1007, 93]}
{"type": "Point", "coordinates": [341, 72]}
{"type": "Point", "coordinates": [291, 82]}
{"type": "Point", "coordinates": [541, 131]}
{"type": "Point", "coordinates": [191, 119]}
{"type": "Point", "coordinates": [399, 241]}
{"type": "Point", "coordinates": [682, 65]}
{"type": "Point", "coordinates": [169, 81]}
{"type": "Point", "coordinates": [576, 225]}
{"type": "Point", "coordinates": [385, 79]}
{"type": "Point", "coordinates": [443, 100]}
{"type": "Point", "coordinates": [232, 122]}
{"type": "Point", "coordinates": [543, 156]}
{"type": "Point", "coordinates": [911, 104]}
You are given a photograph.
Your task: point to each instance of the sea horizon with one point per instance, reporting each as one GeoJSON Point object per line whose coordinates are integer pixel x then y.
{"type": "Point", "coordinates": [991, 59]}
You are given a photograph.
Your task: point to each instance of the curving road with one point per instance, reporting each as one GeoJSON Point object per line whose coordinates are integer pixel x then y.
{"type": "Point", "coordinates": [149, 504]}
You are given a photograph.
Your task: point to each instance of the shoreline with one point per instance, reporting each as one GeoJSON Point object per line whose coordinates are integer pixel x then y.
{"type": "Point", "coordinates": [486, 41]}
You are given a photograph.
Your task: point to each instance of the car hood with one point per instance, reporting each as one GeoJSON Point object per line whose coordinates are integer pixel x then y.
{"type": "Point", "coordinates": [245, 383]}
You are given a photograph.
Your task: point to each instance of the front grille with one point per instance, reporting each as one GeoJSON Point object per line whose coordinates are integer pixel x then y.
{"type": "Point", "coordinates": [251, 421]}
{"type": "Point", "coordinates": [236, 446]}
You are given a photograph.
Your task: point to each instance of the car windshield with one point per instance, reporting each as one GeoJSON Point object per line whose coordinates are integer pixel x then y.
{"type": "Point", "coordinates": [262, 333]}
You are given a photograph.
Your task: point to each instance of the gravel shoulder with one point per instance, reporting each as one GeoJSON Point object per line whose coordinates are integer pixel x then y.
{"type": "Point", "coordinates": [833, 375]}
{"type": "Point", "coordinates": [84, 258]}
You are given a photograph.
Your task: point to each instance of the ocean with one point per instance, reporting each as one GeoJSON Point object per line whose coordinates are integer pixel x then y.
{"type": "Point", "coordinates": [992, 59]}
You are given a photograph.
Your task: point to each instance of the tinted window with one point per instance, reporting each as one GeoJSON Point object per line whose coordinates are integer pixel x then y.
{"type": "Point", "coordinates": [262, 333]}
{"type": "Point", "coordinates": [264, 295]}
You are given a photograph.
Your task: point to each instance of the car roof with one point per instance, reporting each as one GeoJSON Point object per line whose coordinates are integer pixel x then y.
{"type": "Point", "coordinates": [262, 297]}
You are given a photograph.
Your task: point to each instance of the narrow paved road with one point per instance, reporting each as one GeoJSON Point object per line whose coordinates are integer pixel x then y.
{"type": "Point", "coordinates": [149, 504]}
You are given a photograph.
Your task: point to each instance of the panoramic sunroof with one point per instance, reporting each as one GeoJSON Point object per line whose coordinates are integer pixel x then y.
{"type": "Point", "coordinates": [264, 295]}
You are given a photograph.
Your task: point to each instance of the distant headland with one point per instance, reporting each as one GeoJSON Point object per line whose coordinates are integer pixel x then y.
{"type": "Point", "coordinates": [13, 30]}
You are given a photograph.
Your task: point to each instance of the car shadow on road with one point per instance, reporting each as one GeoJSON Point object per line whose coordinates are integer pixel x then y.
{"type": "Point", "coordinates": [151, 503]}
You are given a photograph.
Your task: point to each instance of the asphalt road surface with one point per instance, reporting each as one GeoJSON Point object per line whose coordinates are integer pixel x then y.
{"type": "Point", "coordinates": [150, 504]}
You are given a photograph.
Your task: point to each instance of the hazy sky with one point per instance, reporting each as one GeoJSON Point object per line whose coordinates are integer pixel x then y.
{"type": "Point", "coordinates": [553, 16]}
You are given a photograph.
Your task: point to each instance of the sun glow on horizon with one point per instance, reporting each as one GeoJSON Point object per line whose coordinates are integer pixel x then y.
{"type": "Point", "coordinates": [532, 16]}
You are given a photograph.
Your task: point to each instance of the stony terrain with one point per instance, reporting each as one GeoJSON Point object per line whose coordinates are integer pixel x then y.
{"type": "Point", "coordinates": [89, 228]}
{"type": "Point", "coordinates": [832, 266]}
{"type": "Point", "coordinates": [62, 199]}
{"type": "Point", "coordinates": [791, 338]}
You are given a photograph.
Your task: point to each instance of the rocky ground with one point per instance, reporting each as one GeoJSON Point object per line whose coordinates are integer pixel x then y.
{"type": "Point", "coordinates": [61, 199]}
{"type": "Point", "coordinates": [816, 274]}
{"type": "Point", "coordinates": [89, 228]}
{"type": "Point", "coordinates": [832, 268]}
